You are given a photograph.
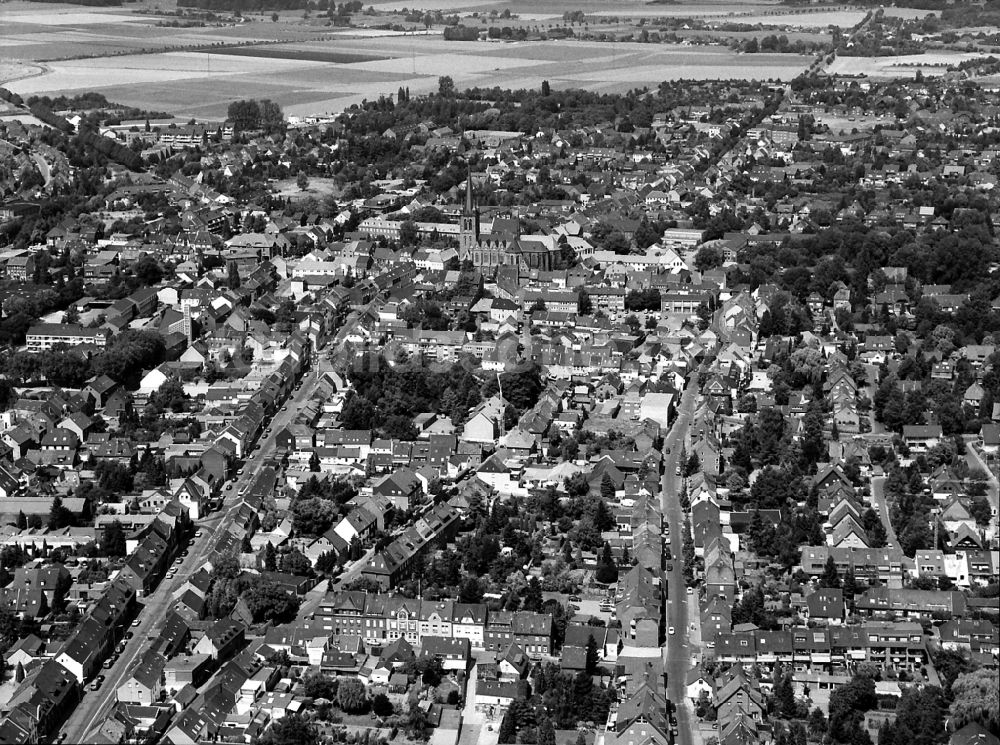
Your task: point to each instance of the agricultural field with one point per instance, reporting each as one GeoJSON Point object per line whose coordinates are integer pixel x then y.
{"type": "Point", "coordinates": [188, 83]}
{"type": "Point", "coordinates": [311, 68]}
{"type": "Point", "coordinates": [901, 66]}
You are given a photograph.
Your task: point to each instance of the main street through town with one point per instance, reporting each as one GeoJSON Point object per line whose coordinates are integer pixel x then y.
{"type": "Point", "coordinates": [677, 650]}
{"type": "Point", "coordinates": [96, 705]}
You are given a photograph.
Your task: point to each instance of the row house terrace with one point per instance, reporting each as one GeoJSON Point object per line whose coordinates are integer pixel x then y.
{"type": "Point", "coordinates": [899, 646]}
{"type": "Point", "coordinates": [380, 618]}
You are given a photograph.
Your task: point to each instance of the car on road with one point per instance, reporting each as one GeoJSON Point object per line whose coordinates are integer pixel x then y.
{"type": "Point", "coordinates": [178, 562]}
{"type": "Point", "coordinates": [668, 555]}
{"type": "Point", "coordinates": [135, 623]}
{"type": "Point", "coordinates": [95, 686]}
{"type": "Point", "coordinates": [197, 534]}
{"type": "Point", "coordinates": [129, 634]}
{"type": "Point", "coordinates": [678, 471]}
{"type": "Point", "coordinates": [690, 590]}
{"type": "Point", "coordinates": [574, 599]}
{"type": "Point", "coordinates": [670, 567]}
{"type": "Point", "coordinates": [185, 552]}
{"type": "Point", "coordinates": [670, 631]}
{"type": "Point", "coordinates": [668, 451]}
{"type": "Point", "coordinates": [108, 663]}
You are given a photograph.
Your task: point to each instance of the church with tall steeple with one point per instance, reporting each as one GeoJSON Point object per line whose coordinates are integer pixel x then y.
{"type": "Point", "coordinates": [502, 244]}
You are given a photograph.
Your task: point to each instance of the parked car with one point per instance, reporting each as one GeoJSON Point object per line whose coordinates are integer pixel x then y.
{"type": "Point", "coordinates": [670, 631]}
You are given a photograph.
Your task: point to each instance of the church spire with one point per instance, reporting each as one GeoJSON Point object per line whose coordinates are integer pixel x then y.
{"type": "Point", "coordinates": [469, 207]}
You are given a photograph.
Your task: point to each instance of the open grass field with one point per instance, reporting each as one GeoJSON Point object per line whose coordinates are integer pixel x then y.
{"type": "Point", "coordinates": [318, 188]}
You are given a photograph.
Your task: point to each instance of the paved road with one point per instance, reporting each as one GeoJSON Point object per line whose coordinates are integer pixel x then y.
{"type": "Point", "coordinates": [976, 460]}
{"type": "Point", "coordinates": [43, 168]}
{"type": "Point", "coordinates": [882, 506]}
{"type": "Point", "coordinates": [96, 705]}
{"type": "Point", "coordinates": [677, 651]}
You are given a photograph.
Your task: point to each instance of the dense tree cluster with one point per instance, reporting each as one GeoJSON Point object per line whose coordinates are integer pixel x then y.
{"type": "Point", "coordinates": [558, 701]}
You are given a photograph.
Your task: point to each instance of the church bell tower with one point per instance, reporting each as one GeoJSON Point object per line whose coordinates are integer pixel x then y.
{"type": "Point", "coordinates": [468, 227]}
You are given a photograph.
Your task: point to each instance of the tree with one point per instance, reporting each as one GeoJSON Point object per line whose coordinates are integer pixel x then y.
{"type": "Point", "coordinates": [22, 521]}
{"type": "Point", "coordinates": [533, 596]}
{"type": "Point", "coordinates": [920, 717]}
{"type": "Point", "coordinates": [59, 516]}
{"type": "Point", "coordinates": [270, 559]}
{"type": "Point", "coordinates": [950, 664]}
{"type": "Point", "coordinates": [507, 732]}
{"type": "Point", "coordinates": [607, 488]}
{"type": "Point", "coordinates": [302, 181]}
{"type": "Point", "coordinates": [817, 723]}
{"type": "Point", "coordinates": [232, 276]}
{"type": "Point", "coordinates": [692, 465]}
{"type": "Point", "coordinates": [584, 305]}
{"type": "Point", "coordinates": [291, 729]}
{"type": "Point", "coordinates": [318, 685]}
{"type": "Point", "coordinates": [314, 462]}
{"type": "Point", "coordinates": [784, 694]}
{"type": "Point", "coordinates": [446, 86]}
{"type": "Point", "coordinates": [980, 510]}
{"type": "Point", "coordinates": [295, 562]}
{"type": "Point", "coordinates": [976, 698]}
{"type": "Point", "coordinates": [382, 706]}
{"type": "Point", "coordinates": [470, 591]}
{"type": "Point", "coordinates": [830, 576]}
{"type": "Point", "coordinates": [847, 707]}
{"type": "Point", "coordinates": [607, 571]}
{"type": "Point", "coordinates": [546, 733]}
{"type": "Point", "coordinates": [351, 696]}
{"type": "Point", "coordinates": [268, 602]}
{"type": "Point", "coordinates": [593, 658]}
{"type": "Point", "coordinates": [708, 257]}
{"type": "Point", "coordinates": [546, 90]}
{"type": "Point", "coordinates": [113, 541]}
